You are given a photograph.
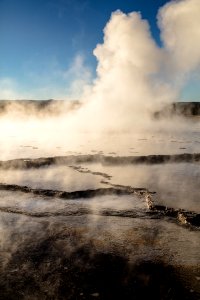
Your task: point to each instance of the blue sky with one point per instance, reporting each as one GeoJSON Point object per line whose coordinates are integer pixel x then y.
{"type": "Point", "coordinates": [46, 43]}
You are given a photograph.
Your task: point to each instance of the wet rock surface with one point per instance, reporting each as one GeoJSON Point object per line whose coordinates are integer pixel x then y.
{"type": "Point", "coordinates": [66, 259]}
{"type": "Point", "coordinates": [184, 217]}
{"type": "Point", "coordinates": [85, 275]}
{"type": "Point", "coordinates": [69, 195]}
{"type": "Point", "coordinates": [159, 211]}
{"type": "Point", "coordinates": [96, 158]}
{"type": "Point", "coordinates": [111, 241]}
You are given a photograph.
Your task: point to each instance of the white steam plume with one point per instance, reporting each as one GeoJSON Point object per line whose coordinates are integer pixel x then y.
{"type": "Point", "coordinates": [134, 75]}
{"type": "Point", "coordinates": [180, 31]}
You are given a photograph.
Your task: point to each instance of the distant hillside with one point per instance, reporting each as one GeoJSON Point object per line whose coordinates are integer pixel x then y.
{"type": "Point", "coordinates": [38, 107]}
{"type": "Point", "coordinates": [187, 109]}
{"type": "Point", "coordinates": [55, 107]}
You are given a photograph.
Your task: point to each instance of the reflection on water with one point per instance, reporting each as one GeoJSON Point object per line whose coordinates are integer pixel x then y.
{"type": "Point", "coordinates": [31, 204]}
{"type": "Point", "coordinates": [54, 177]}
{"type": "Point", "coordinates": [176, 184]}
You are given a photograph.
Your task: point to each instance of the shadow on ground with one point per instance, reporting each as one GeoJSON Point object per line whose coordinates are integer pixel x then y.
{"type": "Point", "coordinates": [44, 271]}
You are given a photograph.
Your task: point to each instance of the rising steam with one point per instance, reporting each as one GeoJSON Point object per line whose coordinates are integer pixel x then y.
{"type": "Point", "coordinates": [135, 78]}
{"type": "Point", "coordinates": [134, 75]}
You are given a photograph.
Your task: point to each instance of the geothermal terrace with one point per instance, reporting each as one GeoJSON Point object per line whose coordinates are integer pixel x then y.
{"type": "Point", "coordinates": [92, 217]}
